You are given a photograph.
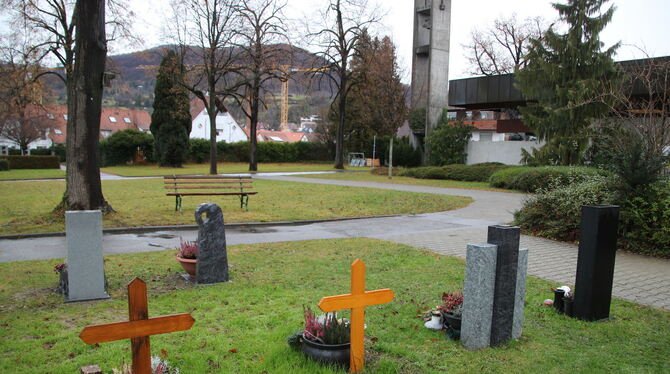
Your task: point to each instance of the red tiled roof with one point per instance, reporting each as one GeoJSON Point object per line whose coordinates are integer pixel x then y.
{"type": "Point", "coordinates": [285, 136]}
{"type": "Point", "coordinates": [125, 119]}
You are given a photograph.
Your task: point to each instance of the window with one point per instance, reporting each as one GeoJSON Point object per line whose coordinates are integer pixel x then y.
{"type": "Point", "coordinates": [127, 120]}
{"type": "Point", "coordinates": [50, 116]}
{"type": "Point", "coordinates": [65, 117]}
{"type": "Point", "coordinates": [57, 132]}
{"type": "Point", "coordinates": [112, 119]}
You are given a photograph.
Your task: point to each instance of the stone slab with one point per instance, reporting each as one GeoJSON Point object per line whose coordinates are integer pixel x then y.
{"type": "Point", "coordinates": [520, 293]}
{"type": "Point", "coordinates": [478, 288]}
{"type": "Point", "coordinates": [212, 264]}
{"type": "Point", "coordinates": [86, 271]}
{"type": "Point", "coordinates": [507, 240]}
{"type": "Point", "coordinates": [595, 262]}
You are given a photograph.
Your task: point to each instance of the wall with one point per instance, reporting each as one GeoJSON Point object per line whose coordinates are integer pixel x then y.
{"type": "Point", "coordinates": [506, 152]}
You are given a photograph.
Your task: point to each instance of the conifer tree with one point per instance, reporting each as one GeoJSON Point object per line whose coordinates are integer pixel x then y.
{"type": "Point", "coordinates": [566, 74]}
{"type": "Point", "coordinates": [171, 118]}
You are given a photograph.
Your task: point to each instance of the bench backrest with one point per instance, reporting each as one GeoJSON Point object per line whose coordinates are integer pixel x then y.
{"type": "Point", "coordinates": [209, 182]}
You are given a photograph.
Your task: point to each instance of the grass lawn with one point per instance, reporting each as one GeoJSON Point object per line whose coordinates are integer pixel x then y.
{"type": "Point", "coordinates": [222, 168]}
{"type": "Point", "coordinates": [32, 174]}
{"type": "Point", "coordinates": [241, 326]}
{"type": "Point", "coordinates": [25, 206]}
{"type": "Point", "coordinates": [367, 177]}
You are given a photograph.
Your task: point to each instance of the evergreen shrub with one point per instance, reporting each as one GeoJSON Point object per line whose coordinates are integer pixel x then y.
{"type": "Point", "coordinates": [4, 165]}
{"type": "Point", "coordinates": [531, 179]}
{"type": "Point", "coordinates": [476, 173]}
{"type": "Point", "coordinates": [120, 147]}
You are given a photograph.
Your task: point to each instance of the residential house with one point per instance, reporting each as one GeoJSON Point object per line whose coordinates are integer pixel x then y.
{"type": "Point", "coordinates": [227, 129]}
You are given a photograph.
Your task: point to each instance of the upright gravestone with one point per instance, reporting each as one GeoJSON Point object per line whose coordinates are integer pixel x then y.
{"type": "Point", "coordinates": [212, 265]}
{"type": "Point", "coordinates": [494, 289]}
{"type": "Point", "coordinates": [85, 266]}
{"type": "Point", "coordinates": [595, 262]}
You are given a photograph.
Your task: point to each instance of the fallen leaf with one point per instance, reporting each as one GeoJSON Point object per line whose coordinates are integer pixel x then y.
{"type": "Point", "coordinates": [164, 353]}
{"type": "Point", "coordinates": [232, 350]}
{"type": "Point", "coordinates": [48, 345]}
{"type": "Point", "coordinates": [71, 355]}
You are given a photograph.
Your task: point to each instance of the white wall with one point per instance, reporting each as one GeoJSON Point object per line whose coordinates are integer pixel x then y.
{"type": "Point", "coordinates": [497, 151]}
{"type": "Point", "coordinates": [228, 130]}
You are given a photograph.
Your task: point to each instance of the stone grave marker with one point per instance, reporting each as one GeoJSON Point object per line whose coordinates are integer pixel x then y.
{"type": "Point", "coordinates": [595, 262]}
{"type": "Point", "coordinates": [494, 289]}
{"type": "Point", "coordinates": [357, 300]}
{"type": "Point", "coordinates": [212, 265]}
{"type": "Point", "coordinates": [85, 266]}
{"type": "Point", "coordinates": [139, 328]}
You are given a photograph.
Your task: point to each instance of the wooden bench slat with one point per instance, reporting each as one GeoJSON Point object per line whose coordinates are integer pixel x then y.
{"type": "Point", "coordinates": [204, 187]}
{"type": "Point", "coordinates": [178, 182]}
{"type": "Point", "coordinates": [203, 177]}
{"type": "Point", "coordinates": [212, 193]}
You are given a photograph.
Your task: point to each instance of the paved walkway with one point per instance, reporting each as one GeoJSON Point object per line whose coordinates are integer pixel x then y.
{"type": "Point", "coordinates": [636, 278]}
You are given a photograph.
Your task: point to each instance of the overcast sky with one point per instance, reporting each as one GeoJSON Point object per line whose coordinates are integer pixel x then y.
{"type": "Point", "coordinates": [644, 23]}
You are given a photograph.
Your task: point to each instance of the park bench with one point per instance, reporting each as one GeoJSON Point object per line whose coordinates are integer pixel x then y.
{"type": "Point", "coordinates": [213, 185]}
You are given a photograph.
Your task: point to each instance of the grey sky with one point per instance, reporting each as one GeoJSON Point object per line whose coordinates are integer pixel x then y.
{"type": "Point", "coordinates": [643, 23]}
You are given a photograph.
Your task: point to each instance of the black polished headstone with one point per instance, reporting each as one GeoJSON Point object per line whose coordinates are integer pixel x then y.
{"type": "Point", "coordinates": [212, 265]}
{"type": "Point", "coordinates": [507, 240]}
{"type": "Point", "coordinates": [595, 262]}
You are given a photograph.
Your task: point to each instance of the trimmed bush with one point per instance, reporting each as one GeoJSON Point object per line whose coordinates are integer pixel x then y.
{"type": "Point", "coordinates": [32, 162]}
{"type": "Point", "coordinates": [198, 150]}
{"type": "Point", "coordinates": [4, 165]}
{"type": "Point", "coordinates": [459, 172]}
{"type": "Point", "coordinates": [555, 212]}
{"type": "Point", "coordinates": [265, 151]}
{"type": "Point", "coordinates": [531, 179]}
{"type": "Point", "coordinates": [120, 147]}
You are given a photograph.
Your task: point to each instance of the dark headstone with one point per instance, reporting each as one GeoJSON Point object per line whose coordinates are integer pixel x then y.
{"type": "Point", "coordinates": [595, 262]}
{"type": "Point", "coordinates": [506, 238]}
{"type": "Point", "coordinates": [212, 266]}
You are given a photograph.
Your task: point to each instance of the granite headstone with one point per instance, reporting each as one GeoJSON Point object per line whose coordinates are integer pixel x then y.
{"type": "Point", "coordinates": [506, 238]}
{"type": "Point", "coordinates": [595, 262]}
{"type": "Point", "coordinates": [85, 266]}
{"type": "Point", "coordinates": [212, 265]}
{"type": "Point", "coordinates": [478, 287]}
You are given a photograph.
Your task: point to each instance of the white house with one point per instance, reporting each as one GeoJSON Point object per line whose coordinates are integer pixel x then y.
{"type": "Point", "coordinates": [227, 129]}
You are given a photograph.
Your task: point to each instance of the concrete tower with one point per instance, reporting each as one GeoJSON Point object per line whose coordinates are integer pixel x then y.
{"type": "Point", "coordinates": [430, 60]}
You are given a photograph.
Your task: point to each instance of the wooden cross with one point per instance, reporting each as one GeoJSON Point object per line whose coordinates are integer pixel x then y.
{"type": "Point", "coordinates": [357, 300]}
{"type": "Point", "coordinates": [139, 328]}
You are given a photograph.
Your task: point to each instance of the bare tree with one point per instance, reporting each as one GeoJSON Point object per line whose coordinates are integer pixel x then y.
{"type": "Point", "coordinates": [262, 32]}
{"type": "Point", "coordinates": [345, 22]}
{"type": "Point", "coordinates": [56, 26]}
{"type": "Point", "coordinates": [205, 31]}
{"type": "Point", "coordinates": [21, 119]}
{"type": "Point", "coordinates": [502, 48]}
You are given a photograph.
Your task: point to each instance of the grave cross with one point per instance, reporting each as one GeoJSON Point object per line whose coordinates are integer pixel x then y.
{"type": "Point", "coordinates": [139, 328]}
{"type": "Point", "coordinates": [357, 300]}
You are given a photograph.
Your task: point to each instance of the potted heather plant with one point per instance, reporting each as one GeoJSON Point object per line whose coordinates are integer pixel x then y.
{"type": "Point", "coordinates": [326, 338]}
{"type": "Point", "coordinates": [187, 255]}
{"type": "Point", "coordinates": [452, 303]}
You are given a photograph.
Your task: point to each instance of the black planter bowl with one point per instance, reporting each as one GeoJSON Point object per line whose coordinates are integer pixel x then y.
{"type": "Point", "coordinates": [329, 354]}
{"type": "Point", "coordinates": [452, 321]}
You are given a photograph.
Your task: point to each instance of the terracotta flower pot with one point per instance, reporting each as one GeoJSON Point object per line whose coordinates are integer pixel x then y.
{"type": "Point", "coordinates": [337, 354]}
{"type": "Point", "coordinates": [189, 265]}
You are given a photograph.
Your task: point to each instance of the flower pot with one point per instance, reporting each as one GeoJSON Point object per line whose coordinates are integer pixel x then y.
{"type": "Point", "coordinates": [452, 321]}
{"type": "Point", "coordinates": [330, 354]}
{"type": "Point", "coordinates": [559, 296]}
{"type": "Point", "coordinates": [568, 304]}
{"type": "Point", "coordinates": [189, 265]}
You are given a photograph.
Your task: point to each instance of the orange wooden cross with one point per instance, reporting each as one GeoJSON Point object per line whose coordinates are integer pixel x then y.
{"type": "Point", "coordinates": [357, 300]}
{"type": "Point", "coordinates": [139, 328]}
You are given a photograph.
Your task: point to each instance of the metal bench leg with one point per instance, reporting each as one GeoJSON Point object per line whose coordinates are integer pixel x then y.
{"type": "Point", "coordinates": [244, 202]}
{"type": "Point", "coordinates": [177, 204]}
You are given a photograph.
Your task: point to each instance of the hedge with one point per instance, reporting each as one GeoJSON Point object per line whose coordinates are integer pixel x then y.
{"type": "Point", "coordinates": [265, 151]}
{"type": "Point", "coordinates": [459, 172]}
{"type": "Point", "coordinates": [32, 162]}
{"type": "Point", "coordinates": [4, 165]}
{"type": "Point", "coordinates": [120, 147]}
{"type": "Point", "coordinates": [532, 179]}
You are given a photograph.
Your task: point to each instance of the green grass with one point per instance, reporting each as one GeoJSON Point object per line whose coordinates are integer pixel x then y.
{"type": "Point", "coordinates": [32, 174]}
{"type": "Point", "coordinates": [367, 177]}
{"type": "Point", "coordinates": [241, 326]}
{"type": "Point", "coordinates": [222, 168]}
{"type": "Point", "coordinates": [25, 206]}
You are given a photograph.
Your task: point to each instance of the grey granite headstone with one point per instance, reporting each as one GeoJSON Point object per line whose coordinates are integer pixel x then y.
{"type": "Point", "coordinates": [212, 265]}
{"type": "Point", "coordinates": [478, 291]}
{"type": "Point", "coordinates": [520, 294]}
{"type": "Point", "coordinates": [507, 240]}
{"type": "Point", "coordinates": [85, 266]}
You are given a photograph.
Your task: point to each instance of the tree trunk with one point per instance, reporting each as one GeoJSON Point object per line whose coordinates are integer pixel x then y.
{"type": "Point", "coordinates": [253, 124]}
{"type": "Point", "coordinates": [84, 102]}
{"type": "Point", "coordinates": [212, 135]}
{"type": "Point", "coordinates": [339, 143]}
